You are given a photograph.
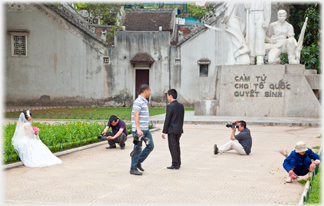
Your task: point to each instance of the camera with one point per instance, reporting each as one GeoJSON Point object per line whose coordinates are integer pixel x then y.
{"type": "Point", "coordinates": [232, 125]}
{"type": "Point", "coordinates": [139, 138]}
{"type": "Point", "coordinates": [102, 137]}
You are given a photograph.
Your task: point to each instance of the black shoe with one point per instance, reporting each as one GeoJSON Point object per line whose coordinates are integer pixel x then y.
{"type": "Point", "coordinates": [111, 147]}
{"type": "Point", "coordinates": [215, 149]}
{"type": "Point", "coordinates": [122, 147]}
{"type": "Point", "coordinates": [135, 172]}
{"type": "Point", "coordinates": [173, 167]}
{"type": "Point", "coordinates": [139, 166]}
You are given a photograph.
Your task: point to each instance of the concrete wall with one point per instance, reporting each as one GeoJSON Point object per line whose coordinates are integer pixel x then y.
{"type": "Point", "coordinates": [121, 73]}
{"type": "Point", "coordinates": [206, 45]}
{"type": "Point", "coordinates": [209, 44]}
{"type": "Point", "coordinates": [64, 64]}
{"type": "Point", "coordinates": [266, 90]}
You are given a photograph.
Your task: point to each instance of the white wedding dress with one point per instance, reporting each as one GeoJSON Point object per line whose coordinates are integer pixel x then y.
{"type": "Point", "coordinates": [32, 151]}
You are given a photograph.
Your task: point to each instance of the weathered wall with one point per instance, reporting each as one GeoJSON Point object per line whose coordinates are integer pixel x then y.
{"type": "Point", "coordinates": [121, 73]}
{"type": "Point", "coordinates": [64, 64]}
{"type": "Point", "coordinates": [209, 44]}
{"type": "Point", "coordinates": [267, 90]}
{"type": "Point", "coordinates": [206, 45]}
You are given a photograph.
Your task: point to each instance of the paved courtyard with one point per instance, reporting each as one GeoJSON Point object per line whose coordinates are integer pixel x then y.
{"type": "Point", "coordinates": [98, 176]}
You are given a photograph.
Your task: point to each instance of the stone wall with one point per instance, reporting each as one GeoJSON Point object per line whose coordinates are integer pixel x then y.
{"type": "Point", "coordinates": [120, 73]}
{"type": "Point", "coordinates": [64, 64]}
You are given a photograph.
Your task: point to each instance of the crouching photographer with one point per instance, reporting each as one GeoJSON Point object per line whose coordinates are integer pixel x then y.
{"type": "Point", "coordinates": [241, 142]}
{"type": "Point", "coordinates": [118, 134]}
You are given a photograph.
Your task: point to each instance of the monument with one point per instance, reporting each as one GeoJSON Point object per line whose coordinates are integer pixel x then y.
{"type": "Point", "coordinates": [271, 90]}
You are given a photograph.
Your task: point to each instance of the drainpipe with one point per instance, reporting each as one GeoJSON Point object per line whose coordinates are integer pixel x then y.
{"type": "Point", "coordinates": [170, 67]}
{"type": "Point", "coordinates": [166, 99]}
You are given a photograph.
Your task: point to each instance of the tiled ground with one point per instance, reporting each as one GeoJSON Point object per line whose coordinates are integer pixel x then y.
{"type": "Point", "coordinates": [99, 176]}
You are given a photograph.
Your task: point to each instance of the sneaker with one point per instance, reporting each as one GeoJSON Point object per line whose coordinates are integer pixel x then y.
{"type": "Point", "coordinates": [111, 147]}
{"type": "Point", "coordinates": [135, 172]}
{"type": "Point", "coordinates": [288, 180]}
{"type": "Point", "coordinates": [215, 149]}
{"type": "Point", "coordinates": [122, 147]}
{"type": "Point", "coordinates": [139, 166]}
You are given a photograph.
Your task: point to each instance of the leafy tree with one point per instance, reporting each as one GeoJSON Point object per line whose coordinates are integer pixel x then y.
{"type": "Point", "coordinates": [190, 8]}
{"type": "Point", "coordinates": [106, 12]}
{"type": "Point", "coordinates": [198, 12]}
{"type": "Point", "coordinates": [310, 54]}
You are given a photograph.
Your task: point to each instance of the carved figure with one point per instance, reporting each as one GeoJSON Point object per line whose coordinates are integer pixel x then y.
{"type": "Point", "coordinates": [280, 38]}
{"type": "Point", "coordinates": [235, 26]}
{"type": "Point", "coordinates": [258, 18]}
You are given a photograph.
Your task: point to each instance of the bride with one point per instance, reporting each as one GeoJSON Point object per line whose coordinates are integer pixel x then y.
{"type": "Point", "coordinates": [32, 151]}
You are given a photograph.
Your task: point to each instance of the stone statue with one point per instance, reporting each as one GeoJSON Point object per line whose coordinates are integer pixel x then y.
{"type": "Point", "coordinates": [258, 18]}
{"type": "Point", "coordinates": [280, 38]}
{"type": "Point", "coordinates": [235, 26]}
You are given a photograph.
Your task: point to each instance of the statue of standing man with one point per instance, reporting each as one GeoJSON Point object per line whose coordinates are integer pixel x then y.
{"type": "Point", "coordinates": [258, 19]}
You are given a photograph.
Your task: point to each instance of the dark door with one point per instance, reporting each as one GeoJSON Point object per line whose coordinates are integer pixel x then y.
{"type": "Point", "coordinates": [142, 77]}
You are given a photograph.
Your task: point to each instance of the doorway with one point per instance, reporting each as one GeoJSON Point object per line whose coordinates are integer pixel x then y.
{"type": "Point", "coordinates": [142, 77]}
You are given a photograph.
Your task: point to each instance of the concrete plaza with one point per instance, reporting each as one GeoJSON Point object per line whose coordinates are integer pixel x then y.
{"type": "Point", "coordinates": [98, 176]}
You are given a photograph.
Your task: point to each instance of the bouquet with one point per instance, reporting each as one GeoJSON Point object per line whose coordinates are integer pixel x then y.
{"type": "Point", "coordinates": [36, 130]}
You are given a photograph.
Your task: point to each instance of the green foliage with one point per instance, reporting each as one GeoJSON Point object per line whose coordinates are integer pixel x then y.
{"type": "Point", "coordinates": [284, 59]}
{"type": "Point", "coordinates": [106, 13]}
{"type": "Point", "coordinates": [315, 195]}
{"type": "Point", "coordinates": [59, 136]}
{"type": "Point", "coordinates": [198, 12]}
{"type": "Point", "coordinates": [311, 49]}
{"type": "Point", "coordinates": [310, 56]}
{"type": "Point", "coordinates": [302, 182]}
{"type": "Point", "coordinates": [191, 9]}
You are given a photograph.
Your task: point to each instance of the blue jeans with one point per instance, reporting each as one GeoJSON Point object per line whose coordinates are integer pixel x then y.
{"type": "Point", "coordinates": [140, 155]}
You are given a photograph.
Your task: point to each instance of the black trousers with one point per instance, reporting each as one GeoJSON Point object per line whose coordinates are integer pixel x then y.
{"type": "Point", "coordinates": [174, 147]}
{"type": "Point", "coordinates": [121, 139]}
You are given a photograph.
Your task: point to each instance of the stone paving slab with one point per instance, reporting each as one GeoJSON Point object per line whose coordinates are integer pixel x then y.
{"type": "Point", "coordinates": [191, 118]}
{"type": "Point", "coordinates": [98, 176]}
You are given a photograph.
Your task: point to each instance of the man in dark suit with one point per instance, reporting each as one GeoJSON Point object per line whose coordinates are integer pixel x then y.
{"type": "Point", "coordinates": [173, 127]}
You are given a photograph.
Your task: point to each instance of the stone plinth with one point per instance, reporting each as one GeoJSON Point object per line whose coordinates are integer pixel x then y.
{"type": "Point", "coordinates": [314, 80]}
{"type": "Point", "coordinates": [206, 107]}
{"type": "Point", "coordinates": [266, 90]}
{"type": "Point", "coordinates": [310, 71]}
{"type": "Point", "coordinates": [294, 68]}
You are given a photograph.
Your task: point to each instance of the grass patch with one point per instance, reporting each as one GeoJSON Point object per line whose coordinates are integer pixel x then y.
{"type": "Point", "coordinates": [302, 182]}
{"type": "Point", "coordinates": [84, 113]}
{"type": "Point", "coordinates": [317, 147]}
{"type": "Point", "coordinates": [319, 136]}
{"type": "Point", "coordinates": [315, 195]}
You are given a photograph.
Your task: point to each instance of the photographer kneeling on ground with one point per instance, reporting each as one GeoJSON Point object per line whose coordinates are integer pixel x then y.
{"type": "Point", "coordinates": [118, 134]}
{"type": "Point", "coordinates": [299, 162]}
{"type": "Point", "coordinates": [244, 144]}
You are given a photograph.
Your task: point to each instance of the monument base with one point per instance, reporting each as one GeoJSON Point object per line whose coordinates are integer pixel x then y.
{"type": "Point", "coordinates": [264, 91]}
{"type": "Point", "coordinates": [206, 107]}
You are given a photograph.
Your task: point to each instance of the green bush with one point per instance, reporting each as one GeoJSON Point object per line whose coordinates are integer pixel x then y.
{"type": "Point", "coordinates": [57, 137]}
